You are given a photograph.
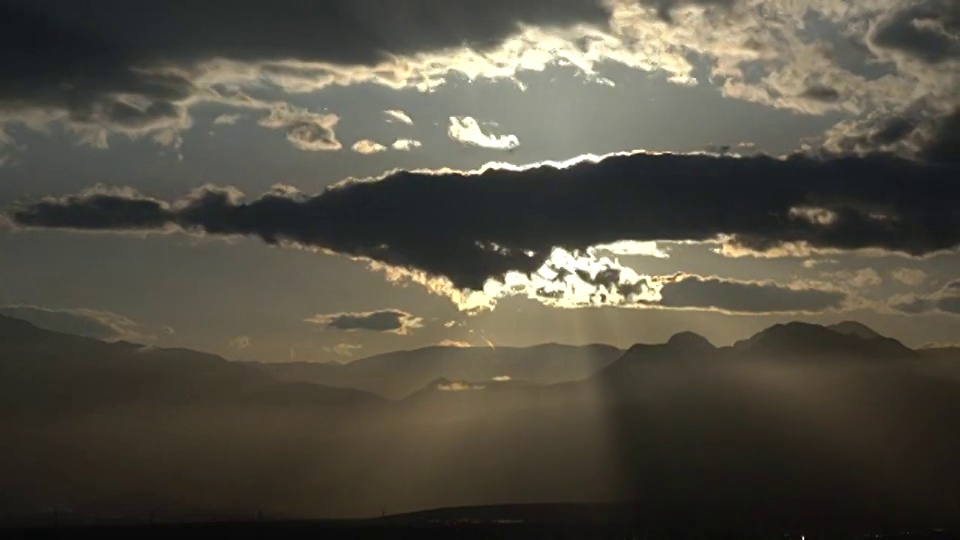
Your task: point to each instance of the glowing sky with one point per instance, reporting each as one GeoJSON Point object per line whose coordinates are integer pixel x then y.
{"type": "Point", "coordinates": [327, 180]}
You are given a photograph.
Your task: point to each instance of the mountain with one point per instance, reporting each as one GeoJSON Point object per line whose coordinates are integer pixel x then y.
{"type": "Point", "coordinates": [681, 348]}
{"type": "Point", "coordinates": [853, 328]}
{"type": "Point", "coordinates": [761, 433]}
{"type": "Point", "coordinates": [52, 370]}
{"type": "Point", "coordinates": [399, 374]}
{"type": "Point", "coordinates": [18, 331]}
{"type": "Point", "coordinates": [813, 341]}
{"type": "Point", "coordinates": [690, 342]}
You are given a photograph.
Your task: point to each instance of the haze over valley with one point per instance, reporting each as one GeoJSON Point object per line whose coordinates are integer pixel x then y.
{"type": "Point", "coordinates": [798, 423]}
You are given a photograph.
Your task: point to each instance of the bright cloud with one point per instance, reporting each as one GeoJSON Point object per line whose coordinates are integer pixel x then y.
{"type": "Point", "coordinates": [406, 145]}
{"type": "Point", "coordinates": [305, 130]}
{"type": "Point", "coordinates": [466, 130]}
{"type": "Point", "coordinates": [398, 116]}
{"type": "Point", "coordinates": [366, 146]}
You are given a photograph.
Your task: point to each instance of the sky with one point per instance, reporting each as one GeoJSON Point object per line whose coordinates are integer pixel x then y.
{"type": "Point", "coordinates": [322, 181]}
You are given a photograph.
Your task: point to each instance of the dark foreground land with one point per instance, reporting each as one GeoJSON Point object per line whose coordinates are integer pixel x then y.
{"type": "Point", "coordinates": [512, 521]}
{"type": "Point", "coordinates": [460, 531]}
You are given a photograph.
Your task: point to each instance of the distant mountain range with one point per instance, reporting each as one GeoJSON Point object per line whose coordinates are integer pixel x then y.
{"type": "Point", "coordinates": [47, 370]}
{"type": "Point", "coordinates": [399, 374]}
{"type": "Point", "coordinates": [799, 423]}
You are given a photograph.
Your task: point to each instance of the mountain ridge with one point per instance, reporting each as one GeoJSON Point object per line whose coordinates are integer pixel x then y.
{"type": "Point", "coordinates": [681, 428]}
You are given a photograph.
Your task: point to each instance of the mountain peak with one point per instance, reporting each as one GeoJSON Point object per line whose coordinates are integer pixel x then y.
{"type": "Point", "coordinates": [795, 338]}
{"type": "Point", "coordinates": [690, 340]}
{"type": "Point", "coordinates": [854, 328]}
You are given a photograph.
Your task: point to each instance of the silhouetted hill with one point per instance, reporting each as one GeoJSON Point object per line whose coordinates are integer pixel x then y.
{"type": "Point", "coordinates": [15, 330]}
{"type": "Point", "coordinates": [690, 341]}
{"type": "Point", "coordinates": [52, 371]}
{"type": "Point", "coordinates": [798, 339]}
{"type": "Point", "coordinates": [398, 374]}
{"type": "Point", "coordinates": [681, 348]}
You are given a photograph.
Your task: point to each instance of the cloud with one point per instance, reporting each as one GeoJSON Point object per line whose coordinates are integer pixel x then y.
{"type": "Point", "coordinates": [819, 92]}
{"type": "Point", "coordinates": [731, 296]}
{"type": "Point", "coordinates": [633, 248]}
{"type": "Point", "coordinates": [137, 70]}
{"type": "Point", "coordinates": [452, 343]}
{"type": "Point", "coordinates": [103, 208]}
{"type": "Point", "coordinates": [942, 144]}
{"type": "Point", "coordinates": [517, 216]}
{"type": "Point", "coordinates": [946, 300]}
{"type": "Point", "coordinates": [813, 263]}
{"type": "Point", "coordinates": [240, 342]}
{"type": "Point", "coordinates": [227, 119]}
{"type": "Point", "coordinates": [388, 320]}
{"type": "Point", "coordinates": [665, 8]}
{"type": "Point", "coordinates": [92, 323]}
{"type": "Point", "coordinates": [501, 378]}
{"type": "Point", "coordinates": [919, 133]}
{"type": "Point", "coordinates": [854, 279]}
{"type": "Point", "coordinates": [399, 116]}
{"type": "Point", "coordinates": [909, 276]}
{"type": "Point", "coordinates": [466, 131]}
{"type": "Point", "coordinates": [305, 130]}
{"type": "Point", "coordinates": [928, 30]}
{"type": "Point", "coordinates": [406, 145]}
{"type": "Point", "coordinates": [366, 146]}
{"type": "Point", "coordinates": [506, 241]}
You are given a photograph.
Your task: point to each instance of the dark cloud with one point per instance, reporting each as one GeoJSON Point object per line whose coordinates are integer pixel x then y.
{"type": "Point", "coordinates": [80, 56]}
{"type": "Point", "coordinates": [914, 305]}
{"type": "Point", "coordinates": [746, 296]}
{"type": "Point", "coordinates": [927, 30]}
{"type": "Point", "coordinates": [822, 93]}
{"type": "Point", "coordinates": [471, 227]}
{"type": "Point", "coordinates": [339, 31]}
{"type": "Point", "coordinates": [388, 320]}
{"type": "Point", "coordinates": [925, 135]}
{"type": "Point", "coordinates": [893, 130]}
{"type": "Point", "coordinates": [102, 209]}
{"type": "Point", "coordinates": [944, 143]}
{"type": "Point", "coordinates": [57, 66]}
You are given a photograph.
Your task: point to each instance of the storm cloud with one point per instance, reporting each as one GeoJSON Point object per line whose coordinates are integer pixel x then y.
{"type": "Point", "coordinates": [116, 35]}
{"type": "Point", "coordinates": [932, 138]}
{"type": "Point", "coordinates": [471, 227]}
{"type": "Point", "coordinates": [112, 66]}
{"type": "Point", "coordinates": [928, 30]}
{"type": "Point", "coordinates": [105, 67]}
